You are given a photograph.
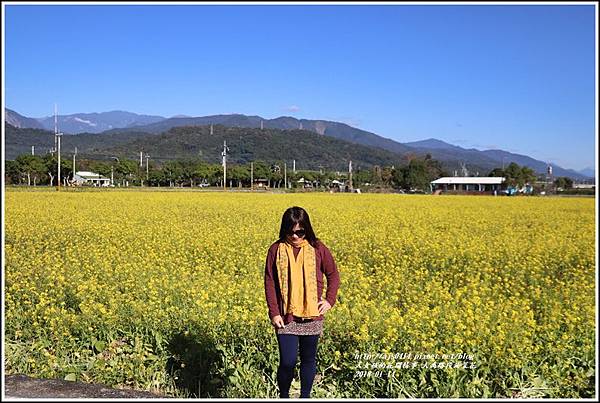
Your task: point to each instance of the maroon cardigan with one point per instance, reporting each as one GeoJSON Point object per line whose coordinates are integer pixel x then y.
{"type": "Point", "coordinates": [325, 265]}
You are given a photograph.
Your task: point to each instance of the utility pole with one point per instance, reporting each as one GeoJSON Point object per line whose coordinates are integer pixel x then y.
{"type": "Point", "coordinates": [147, 156]}
{"type": "Point", "coordinates": [224, 154]}
{"type": "Point", "coordinates": [32, 150]}
{"type": "Point", "coordinates": [111, 171]}
{"type": "Point", "coordinates": [74, 162]}
{"type": "Point", "coordinates": [294, 166]}
{"type": "Point", "coordinates": [549, 178]}
{"type": "Point", "coordinates": [141, 165]}
{"type": "Point", "coordinates": [55, 130]}
{"type": "Point", "coordinates": [350, 175]}
{"type": "Point", "coordinates": [57, 136]}
{"type": "Point", "coordinates": [252, 176]}
{"type": "Point", "coordinates": [261, 125]}
{"type": "Point", "coordinates": [285, 174]}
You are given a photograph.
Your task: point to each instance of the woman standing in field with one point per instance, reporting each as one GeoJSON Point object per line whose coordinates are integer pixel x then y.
{"type": "Point", "coordinates": [294, 272]}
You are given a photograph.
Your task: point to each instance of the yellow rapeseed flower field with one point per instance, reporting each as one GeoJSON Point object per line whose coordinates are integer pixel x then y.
{"type": "Point", "coordinates": [163, 291]}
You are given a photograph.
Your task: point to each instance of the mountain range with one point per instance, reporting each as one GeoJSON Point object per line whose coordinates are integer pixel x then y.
{"type": "Point", "coordinates": [82, 122]}
{"type": "Point", "coordinates": [113, 131]}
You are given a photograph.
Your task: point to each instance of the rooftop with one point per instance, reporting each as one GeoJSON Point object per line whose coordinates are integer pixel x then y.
{"type": "Point", "coordinates": [469, 180]}
{"type": "Point", "coordinates": [89, 175]}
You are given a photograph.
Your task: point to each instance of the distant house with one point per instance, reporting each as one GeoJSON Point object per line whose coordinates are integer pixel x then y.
{"type": "Point", "coordinates": [90, 178]}
{"type": "Point", "coordinates": [261, 183]}
{"type": "Point", "coordinates": [339, 185]}
{"type": "Point", "coordinates": [468, 184]}
{"type": "Point", "coordinates": [305, 183]}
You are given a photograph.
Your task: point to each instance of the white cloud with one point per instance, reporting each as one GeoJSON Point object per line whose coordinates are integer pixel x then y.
{"type": "Point", "coordinates": [86, 122]}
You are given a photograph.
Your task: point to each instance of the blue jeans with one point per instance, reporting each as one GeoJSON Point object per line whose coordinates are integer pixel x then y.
{"type": "Point", "coordinates": [288, 351]}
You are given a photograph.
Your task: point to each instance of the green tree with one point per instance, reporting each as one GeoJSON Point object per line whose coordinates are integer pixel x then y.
{"type": "Point", "coordinates": [434, 168]}
{"type": "Point", "coordinates": [387, 176]}
{"type": "Point", "coordinates": [156, 177]}
{"type": "Point", "coordinates": [201, 172]}
{"type": "Point", "coordinates": [31, 167]}
{"type": "Point", "coordinates": [514, 174]}
{"type": "Point", "coordinates": [125, 170]}
{"type": "Point", "coordinates": [497, 172]}
{"type": "Point", "coordinates": [416, 176]}
{"type": "Point", "coordinates": [172, 172]}
{"type": "Point", "coordinates": [376, 178]}
{"type": "Point", "coordinates": [399, 177]}
{"type": "Point", "coordinates": [276, 174]}
{"type": "Point", "coordinates": [239, 173]}
{"type": "Point", "coordinates": [563, 182]}
{"type": "Point", "coordinates": [12, 173]}
{"type": "Point", "coordinates": [308, 176]}
{"type": "Point", "coordinates": [51, 168]}
{"type": "Point", "coordinates": [293, 177]}
{"type": "Point", "coordinates": [262, 171]}
{"type": "Point", "coordinates": [527, 175]}
{"type": "Point", "coordinates": [188, 168]}
{"type": "Point", "coordinates": [216, 174]}
{"type": "Point", "coordinates": [361, 176]}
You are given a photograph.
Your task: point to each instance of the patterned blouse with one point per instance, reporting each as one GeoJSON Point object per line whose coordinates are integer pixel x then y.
{"type": "Point", "coordinates": [303, 327]}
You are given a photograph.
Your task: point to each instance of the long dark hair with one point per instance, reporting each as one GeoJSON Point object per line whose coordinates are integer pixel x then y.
{"type": "Point", "coordinates": [291, 217]}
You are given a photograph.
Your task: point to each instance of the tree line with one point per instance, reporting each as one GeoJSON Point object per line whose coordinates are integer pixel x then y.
{"type": "Point", "coordinates": [518, 176]}
{"type": "Point", "coordinates": [34, 170]}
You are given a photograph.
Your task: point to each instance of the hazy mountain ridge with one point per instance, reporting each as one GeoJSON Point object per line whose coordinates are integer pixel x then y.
{"type": "Point", "coordinates": [589, 171]}
{"type": "Point", "coordinates": [20, 121]}
{"type": "Point", "coordinates": [537, 165]}
{"type": "Point", "coordinates": [82, 122]}
{"type": "Point", "coordinates": [488, 159]}
{"type": "Point", "coordinates": [477, 162]}
{"type": "Point", "coordinates": [19, 141]}
{"type": "Point", "coordinates": [310, 150]}
{"type": "Point", "coordinates": [324, 127]}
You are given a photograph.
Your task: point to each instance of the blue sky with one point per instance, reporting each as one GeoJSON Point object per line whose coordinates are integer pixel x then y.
{"type": "Point", "coordinates": [521, 78]}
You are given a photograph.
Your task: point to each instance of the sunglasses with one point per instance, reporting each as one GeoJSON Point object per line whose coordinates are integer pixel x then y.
{"type": "Point", "coordinates": [300, 233]}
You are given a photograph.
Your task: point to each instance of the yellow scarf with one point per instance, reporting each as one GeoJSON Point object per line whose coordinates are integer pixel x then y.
{"type": "Point", "coordinates": [300, 296]}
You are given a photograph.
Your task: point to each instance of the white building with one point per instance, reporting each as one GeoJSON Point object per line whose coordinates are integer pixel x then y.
{"type": "Point", "coordinates": [468, 183]}
{"type": "Point", "coordinates": [90, 178]}
{"type": "Point", "coordinates": [584, 186]}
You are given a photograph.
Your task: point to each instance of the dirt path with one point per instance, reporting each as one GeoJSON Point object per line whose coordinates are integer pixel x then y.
{"type": "Point", "coordinates": [21, 386]}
